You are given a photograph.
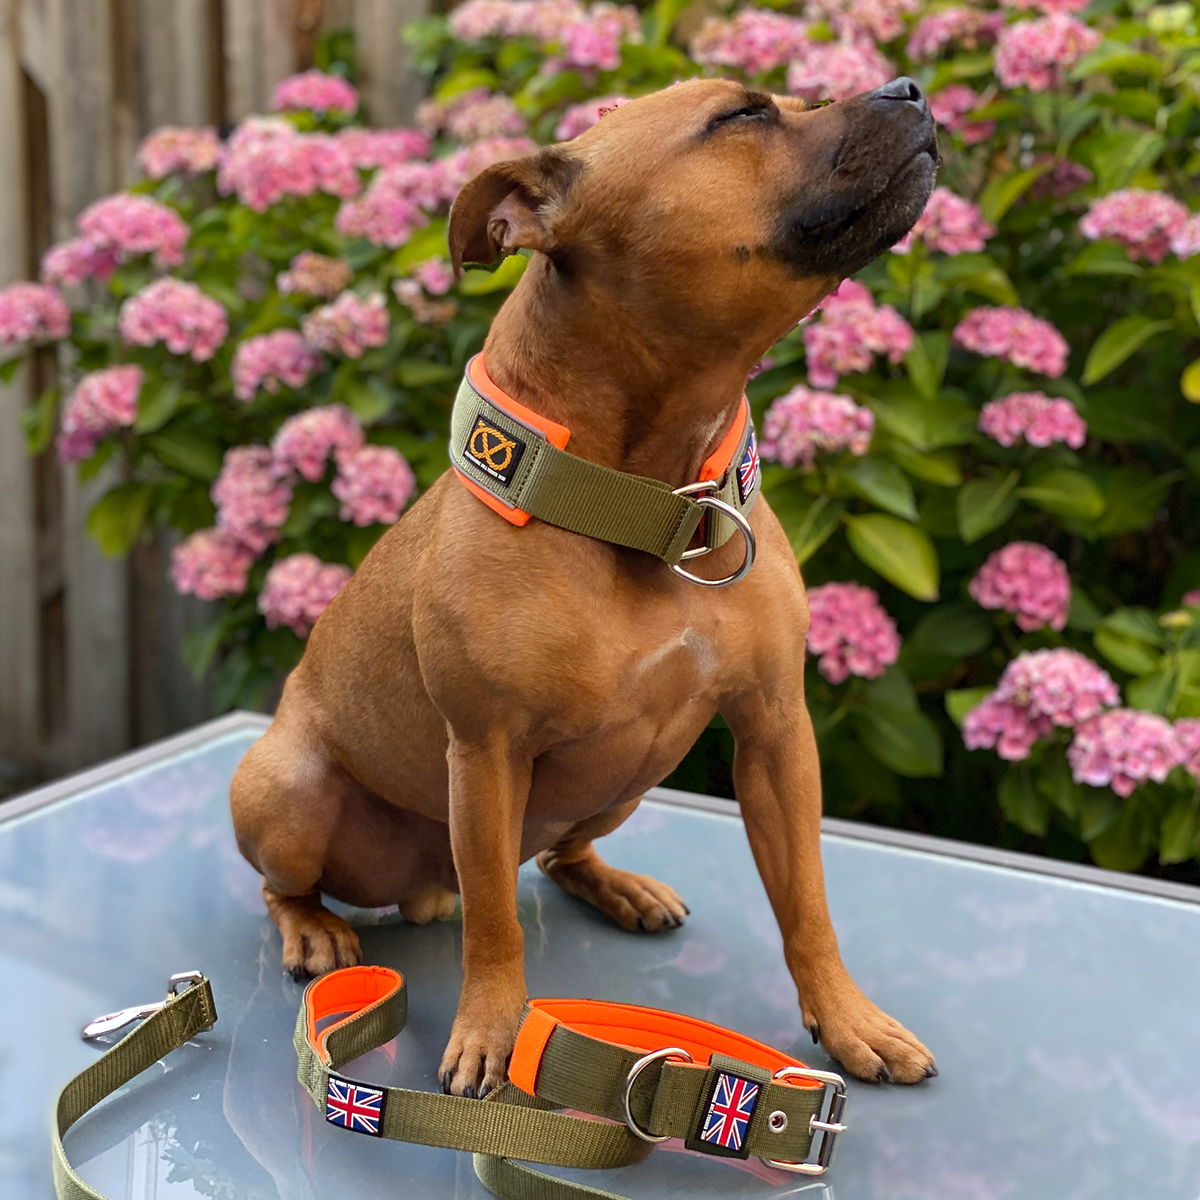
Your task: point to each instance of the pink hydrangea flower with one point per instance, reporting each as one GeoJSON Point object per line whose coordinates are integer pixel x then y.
{"type": "Point", "coordinates": [466, 162]}
{"type": "Point", "coordinates": [373, 484]}
{"type": "Point", "coordinates": [129, 225]}
{"type": "Point", "coordinates": [32, 312]}
{"type": "Point", "coordinates": [581, 117]}
{"type": "Point", "coordinates": [471, 115]}
{"type": "Point", "coordinates": [1123, 748]}
{"type": "Point", "coordinates": [1027, 579]}
{"type": "Point", "coordinates": [542, 20]}
{"type": "Point", "coordinates": [851, 330]}
{"type": "Point", "coordinates": [389, 212]}
{"type": "Point", "coordinates": [1037, 418]}
{"type": "Point", "coordinates": [349, 325]}
{"type": "Point", "coordinates": [850, 631]}
{"type": "Point", "coordinates": [102, 402]}
{"type": "Point", "coordinates": [595, 40]}
{"type": "Point", "coordinates": [803, 423]}
{"type": "Point", "coordinates": [1038, 54]}
{"type": "Point", "coordinates": [950, 108]}
{"type": "Point", "coordinates": [434, 275]}
{"type": "Point", "coordinates": [1065, 177]}
{"type": "Point", "coordinates": [174, 148]}
{"type": "Point", "coordinates": [1187, 241]}
{"type": "Point", "coordinates": [312, 274]}
{"type": "Point", "coordinates": [1144, 222]}
{"type": "Point", "coordinates": [298, 589]}
{"type": "Point", "coordinates": [316, 91]}
{"type": "Point", "coordinates": [1048, 6]}
{"type": "Point", "coordinates": [1187, 738]}
{"type": "Point", "coordinates": [77, 260]}
{"type": "Point", "coordinates": [370, 148]}
{"type": "Point", "coordinates": [178, 314]}
{"type": "Point", "coordinates": [949, 225]}
{"type": "Point", "coordinates": [754, 40]}
{"type": "Point", "coordinates": [266, 160]}
{"type": "Point", "coordinates": [1039, 689]}
{"type": "Point", "coordinates": [211, 565]}
{"type": "Point", "coordinates": [1013, 335]}
{"type": "Point", "coordinates": [877, 20]}
{"type": "Point", "coordinates": [252, 500]}
{"type": "Point", "coordinates": [837, 71]}
{"type": "Point", "coordinates": [968, 28]}
{"type": "Point", "coordinates": [1191, 599]}
{"type": "Point", "coordinates": [304, 442]}
{"type": "Point", "coordinates": [413, 296]}
{"type": "Point", "coordinates": [271, 359]}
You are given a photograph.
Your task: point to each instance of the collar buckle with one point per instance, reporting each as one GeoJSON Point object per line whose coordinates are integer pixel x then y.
{"type": "Point", "coordinates": [830, 1125]}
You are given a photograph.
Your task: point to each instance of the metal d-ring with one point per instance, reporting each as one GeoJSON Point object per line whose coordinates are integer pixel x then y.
{"type": "Point", "coordinates": [831, 1126]}
{"type": "Point", "coordinates": [634, 1071]}
{"type": "Point", "coordinates": [742, 526]}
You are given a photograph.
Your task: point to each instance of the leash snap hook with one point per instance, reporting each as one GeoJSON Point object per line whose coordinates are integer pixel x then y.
{"type": "Point", "coordinates": [111, 1022]}
{"type": "Point", "coordinates": [830, 1125]}
{"type": "Point", "coordinates": [740, 524]}
{"type": "Point", "coordinates": [634, 1071]}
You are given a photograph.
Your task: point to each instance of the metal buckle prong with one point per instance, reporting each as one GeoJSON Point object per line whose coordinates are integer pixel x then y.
{"type": "Point", "coordinates": [113, 1021]}
{"type": "Point", "coordinates": [831, 1125]}
{"type": "Point", "coordinates": [634, 1071]}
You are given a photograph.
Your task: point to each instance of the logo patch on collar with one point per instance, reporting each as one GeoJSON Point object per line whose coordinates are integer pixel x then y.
{"type": "Point", "coordinates": [354, 1106]}
{"type": "Point", "coordinates": [496, 453]}
{"type": "Point", "coordinates": [748, 469]}
{"type": "Point", "coordinates": [726, 1117]}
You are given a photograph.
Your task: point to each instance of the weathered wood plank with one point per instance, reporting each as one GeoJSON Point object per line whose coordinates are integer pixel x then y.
{"type": "Point", "coordinates": [390, 90]}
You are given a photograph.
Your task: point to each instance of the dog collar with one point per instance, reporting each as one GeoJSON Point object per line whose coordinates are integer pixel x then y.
{"type": "Point", "coordinates": [649, 1075]}
{"type": "Point", "coordinates": [517, 463]}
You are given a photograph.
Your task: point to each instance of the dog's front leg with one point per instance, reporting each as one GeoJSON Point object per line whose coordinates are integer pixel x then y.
{"type": "Point", "coordinates": [489, 786]}
{"type": "Point", "coordinates": [777, 778]}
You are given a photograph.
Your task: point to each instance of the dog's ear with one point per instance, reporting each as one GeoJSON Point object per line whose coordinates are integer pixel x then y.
{"type": "Point", "coordinates": [510, 206]}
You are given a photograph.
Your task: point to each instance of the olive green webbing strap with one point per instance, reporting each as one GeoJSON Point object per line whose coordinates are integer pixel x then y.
{"type": "Point", "coordinates": [177, 1022]}
{"type": "Point", "coordinates": [584, 497]}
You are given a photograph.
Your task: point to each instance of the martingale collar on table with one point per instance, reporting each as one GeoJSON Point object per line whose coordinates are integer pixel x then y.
{"type": "Point", "coordinates": [654, 1075]}
{"type": "Point", "coordinates": [516, 462]}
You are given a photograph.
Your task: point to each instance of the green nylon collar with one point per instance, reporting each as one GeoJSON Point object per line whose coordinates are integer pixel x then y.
{"type": "Point", "coordinates": [526, 475]}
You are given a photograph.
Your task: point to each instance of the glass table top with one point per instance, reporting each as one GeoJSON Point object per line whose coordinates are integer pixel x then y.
{"type": "Point", "coordinates": [1064, 1013]}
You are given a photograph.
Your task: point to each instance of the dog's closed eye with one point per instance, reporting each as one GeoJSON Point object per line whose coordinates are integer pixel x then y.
{"type": "Point", "coordinates": [756, 108]}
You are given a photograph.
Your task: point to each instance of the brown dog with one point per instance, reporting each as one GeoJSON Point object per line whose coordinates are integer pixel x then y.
{"type": "Point", "coordinates": [478, 693]}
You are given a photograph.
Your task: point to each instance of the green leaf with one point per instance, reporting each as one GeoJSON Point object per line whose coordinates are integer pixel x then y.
{"type": "Point", "coordinates": [461, 81]}
{"type": "Point", "coordinates": [1065, 493]}
{"type": "Point", "coordinates": [1005, 190]}
{"type": "Point", "coordinates": [10, 367]}
{"type": "Point", "coordinates": [1116, 58]}
{"type": "Point", "coordinates": [481, 283]}
{"type": "Point", "coordinates": [38, 421]}
{"type": "Point", "coordinates": [1179, 838]}
{"type": "Point", "coordinates": [893, 688]}
{"type": "Point", "coordinates": [118, 517]}
{"type": "Point", "coordinates": [1056, 783]}
{"type": "Point", "coordinates": [1189, 381]}
{"type": "Point", "coordinates": [1130, 638]}
{"type": "Point", "coordinates": [1153, 693]}
{"type": "Point", "coordinates": [1098, 809]}
{"type": "Point", "coordinates": [1133, 498]}
{"type": "Point", "coordinates": [900, 552]}
{"type": "Point", "coordinates": [906, 741]}
{"type": "Point", "coordinates": [157, 403]}
{"type": "Point", "coordinates": [661, 19]}
{"type": "Point", "coordinates": [808, 523]}
{"type": "Point", "coordinates": [1103, 258]}
{"type": "Point", "coordinates": [429, 242]}
{"type": "Point", "coordinates": [201, 645]}
{"type": "Point", "coordinates": [939, 467]}
{"type": "Point", "coordinates": [420, 372]}
{"type": "Point", "coordinates": [985, 504]}
{"type": "Point", "coordinates": [370, 402]}
{"type": "Point", "coordinates": [1084, 614]}
{"type": "Point", "coordinates": [1124, 844]}
{"type": "Point", "coordinates": [926, 362]}
{"type": "Point", "coordinates": [956, 630]}
{"type": "Point", "coordinates": [884, 484]}
{"type": "Point", "coordinates": [1121, 339]}
{"type": "Point", "coordinates": [361, 542]}
{"type": "Point", "coordinates": [978, 273]}
{"type": "Point", "coordinates": [195, 456]}
{"type": "Point", "coordinates": [1022, 803]}
{"type": "Point", "coordinates": [960, 701]}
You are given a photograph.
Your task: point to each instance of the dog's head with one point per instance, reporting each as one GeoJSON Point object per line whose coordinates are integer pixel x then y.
{"type": "Point", "coordinates": [712, 201]}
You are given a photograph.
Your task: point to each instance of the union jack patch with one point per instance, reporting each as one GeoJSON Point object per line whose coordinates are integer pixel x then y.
{"type": "Point", "coordinates": [354, 1106]}
{"type": "Point", "coordinates": [727, 1117]}
{"type": "Point", "coordinates": [748, 468]}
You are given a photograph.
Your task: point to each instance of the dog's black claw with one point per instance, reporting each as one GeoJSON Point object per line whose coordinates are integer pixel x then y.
{"type": "Point", "coordinates": [816, 1034]}
{"type": "Point", "coordinates": [931, 1071]}
{"type": "Point", "coordinates": [469, 1091]}
{"type": "Point", "coordinates": [642, 924]}
{"type": "Point", "coordinates": [449, 1075]}
{"type": "Point", "coordinates": [687, 910]}
{"type": "Point", "coordinates": [299, 974]}
{"type": "Point", "coordinates": [484, 1091]}
{"type": "Point", "coordinates": [883, 1075]}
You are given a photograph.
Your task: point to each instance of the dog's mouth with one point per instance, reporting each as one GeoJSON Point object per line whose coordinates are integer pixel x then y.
{"type": "Point", "coordinates": [848, 227]}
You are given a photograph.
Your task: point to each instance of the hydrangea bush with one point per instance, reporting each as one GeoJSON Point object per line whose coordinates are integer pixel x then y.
{"type": "Point", "coordinates": [985, 448]}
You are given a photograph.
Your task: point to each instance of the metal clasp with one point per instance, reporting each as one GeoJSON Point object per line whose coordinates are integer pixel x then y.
{"type": "Point", "coordinates": [830, 1125]}
{"type": "Point", "coordinates": [740, 523]}
{"type": "Point", "coordinates": [634, 1071]}
{"type": "Point", "coordinates": [126, 1016]}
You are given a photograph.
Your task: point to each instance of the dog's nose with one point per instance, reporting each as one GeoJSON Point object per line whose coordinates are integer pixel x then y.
{"type": "Point", "coordinates": [905, 90]}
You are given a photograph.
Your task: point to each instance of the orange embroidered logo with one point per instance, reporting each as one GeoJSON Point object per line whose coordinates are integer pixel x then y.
{"type": "Point", "coordinates": [493, 451]}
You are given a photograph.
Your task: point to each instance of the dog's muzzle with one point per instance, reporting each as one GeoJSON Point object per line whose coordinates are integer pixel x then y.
{"type": "Point", "coordinates": [649, 1075]}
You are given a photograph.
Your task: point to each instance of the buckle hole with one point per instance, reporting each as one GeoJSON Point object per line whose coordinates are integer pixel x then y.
{"type": "Point", "coordinates": [777, 1121]}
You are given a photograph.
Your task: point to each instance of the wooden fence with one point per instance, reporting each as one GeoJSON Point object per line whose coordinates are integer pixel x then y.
{"type": "Point", "coordinates": [89, 646]}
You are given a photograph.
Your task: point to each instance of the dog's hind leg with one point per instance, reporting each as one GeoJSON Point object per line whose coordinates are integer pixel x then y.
{"type": "Point", "coordinates": [633, 901]}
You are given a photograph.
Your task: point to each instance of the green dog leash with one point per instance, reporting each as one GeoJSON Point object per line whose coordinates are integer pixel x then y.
{"type": "Point", "coordinates": [648, 1075]}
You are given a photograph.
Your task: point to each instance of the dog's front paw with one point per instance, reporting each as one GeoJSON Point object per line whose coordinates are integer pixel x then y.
{"type": "Point", "coordinates": [481, 1043]}
{"type": "Point", "coordinates": [633, 901]}
{"type": "Point", "coordinates": [314, 939]}
{"type": "Point", "coordinates": [864, 1039]}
